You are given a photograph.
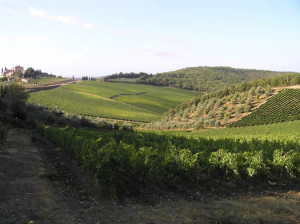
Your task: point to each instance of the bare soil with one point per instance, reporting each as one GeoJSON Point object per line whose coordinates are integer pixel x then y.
{"type": "Point", "coordinates": [40, 183]}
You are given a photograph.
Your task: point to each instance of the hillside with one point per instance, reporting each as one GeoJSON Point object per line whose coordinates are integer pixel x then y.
{"type": "Point", "coordinates": [284, 106]}
{"type": "Point", "coordinates": [204, 79]}
{"type": "Point", "coordinates": [227, 106]}
{"type": "Point", "coordinates": [123, 101]}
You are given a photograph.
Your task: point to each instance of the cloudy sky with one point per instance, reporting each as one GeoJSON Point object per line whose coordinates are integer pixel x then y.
{"type": "Point", "coordinates": [100, 37]}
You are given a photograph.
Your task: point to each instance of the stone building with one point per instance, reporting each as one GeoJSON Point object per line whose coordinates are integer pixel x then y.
{"type": "Point", "coordinates": [10, 72]}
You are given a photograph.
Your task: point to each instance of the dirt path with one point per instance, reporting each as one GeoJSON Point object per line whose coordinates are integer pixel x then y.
{"type": "Point", "coordinates": [41, 184]}
{"type": "Point", "coordinates": [24, 194]}
{"type": "Point", "coordinates": [42, 87]}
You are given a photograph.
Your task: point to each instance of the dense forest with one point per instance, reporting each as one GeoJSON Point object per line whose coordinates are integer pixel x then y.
{"type": "Point", "coordinates": [204, 79]}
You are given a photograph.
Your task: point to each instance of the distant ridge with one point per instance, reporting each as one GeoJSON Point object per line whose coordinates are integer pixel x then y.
{"type": "Point", "coordinates": [203, 78]}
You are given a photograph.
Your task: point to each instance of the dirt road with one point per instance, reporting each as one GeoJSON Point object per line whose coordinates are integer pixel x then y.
{"type": "Point", "coordinates": [24, 195]}
{"type": "Point", "coordinates": [40, 184]}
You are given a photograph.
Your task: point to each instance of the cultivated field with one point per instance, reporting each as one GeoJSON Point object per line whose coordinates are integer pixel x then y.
{"type": "Point", "coordinates": [285, 131]}
{"type": "Point", "coordinates": [113, 100]}
{"type": "Point", "coordinates": [90, 105]}
{"type": "Point", "coordinates": [240, 154]}
{"type": "Point", "coordinates": [284, 106]}
{"type": "Point", "coordinates": [153, 98]}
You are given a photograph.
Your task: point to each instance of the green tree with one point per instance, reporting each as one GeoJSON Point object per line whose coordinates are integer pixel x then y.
{"type": "Point", "coordinates": [30, 73]}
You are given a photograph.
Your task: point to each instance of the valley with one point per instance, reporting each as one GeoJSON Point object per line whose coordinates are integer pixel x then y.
{"type": "Point", "coordinates": [226, 156]}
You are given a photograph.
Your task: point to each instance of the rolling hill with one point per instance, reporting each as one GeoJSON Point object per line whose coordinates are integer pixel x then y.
{"type": "Point", "coordinates": [227, 106]}
{"type": "Point", "coordinates": [132, 102]}
{"type": "Point", "coordinates": [204, 79]}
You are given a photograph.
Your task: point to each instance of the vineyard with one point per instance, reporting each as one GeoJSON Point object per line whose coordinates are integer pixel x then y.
{"type": "Point", "coordinates": [162, 158]}
{"type": "Point", "coordinates": [152, 98]}
{"type": "Point", "coordinates": [285, 132]}
{"type": "Point", "coordinates": [284, 106]}
{"type": "Point", "coordinates": [85, 104]}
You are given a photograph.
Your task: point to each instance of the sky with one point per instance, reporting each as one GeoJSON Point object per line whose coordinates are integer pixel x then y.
{"type": "Point", "coordinates": [101, 37]}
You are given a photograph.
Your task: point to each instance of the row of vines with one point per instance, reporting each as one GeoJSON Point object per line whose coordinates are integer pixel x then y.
{"type": "Point", "coordinates": [162, 158]}
{"type": "Point", "coordinates": [284, 106]}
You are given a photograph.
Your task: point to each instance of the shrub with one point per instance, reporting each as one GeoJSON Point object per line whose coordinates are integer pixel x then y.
{"type": "Point", "coordinates": [238, 110]}
{"type": "Point", "coordinates": [127, 127]}
{"type": "Point", "coordinates": [247, 108]}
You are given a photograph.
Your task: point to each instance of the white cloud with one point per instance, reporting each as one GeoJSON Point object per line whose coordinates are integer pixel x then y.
{"type": "Point", "coordinates": [70, 20]}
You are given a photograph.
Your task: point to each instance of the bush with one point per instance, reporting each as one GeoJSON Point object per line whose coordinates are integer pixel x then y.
{"type": "Point", "coordinates": [268, 93]}
{"type": "Point", "coordinates": [238, 110]}
{"type": "Point", "coordinates": [127, 127]}
{"type": "Point", "coordinates": [19, 109]}
{"type": "Point", "coordinates": [259, 90]}
{"type": "Point", "coordinates": [15, 97]}
{"type": "Point", "coordinates": [247, 108]}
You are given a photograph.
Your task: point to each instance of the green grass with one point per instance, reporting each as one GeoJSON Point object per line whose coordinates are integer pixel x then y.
{"type": "Point", "coordinates": [84, 104]}
{"type": "Point", "coordinates": [153, 98]}
{"type": "Point", "coordinates": [284, 106]}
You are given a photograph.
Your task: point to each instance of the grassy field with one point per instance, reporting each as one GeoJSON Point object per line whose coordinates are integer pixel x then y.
{"type": "Point", "coordinates": [153, 98]}
{"type": "Point", "coordinates": [89, 105]}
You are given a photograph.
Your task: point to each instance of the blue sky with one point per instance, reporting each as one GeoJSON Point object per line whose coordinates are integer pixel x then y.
{"type": "Point", "coordinates": [97, 38]}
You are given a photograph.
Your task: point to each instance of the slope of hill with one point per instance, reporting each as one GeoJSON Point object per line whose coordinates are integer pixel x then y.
{"type": "Point", "coordinates": [153, 98]}
{"type": "Point", "coordinates": [123, 101]}
{"type": "Point", "coordinates": [204, 79]}
{"type": "Point", "coordinates": [284, 106]}
{"type": "Point", "coordinates": [225, 106]}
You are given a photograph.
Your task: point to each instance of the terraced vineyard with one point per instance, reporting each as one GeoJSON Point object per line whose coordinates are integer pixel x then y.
{"type": "Point", "coordinates": [284, 106]}
{"type": "Point", "coordinates": [153, 98]}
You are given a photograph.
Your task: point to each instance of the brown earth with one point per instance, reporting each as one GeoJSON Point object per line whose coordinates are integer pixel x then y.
{"type": "Point", "coordinates": [40, 183]}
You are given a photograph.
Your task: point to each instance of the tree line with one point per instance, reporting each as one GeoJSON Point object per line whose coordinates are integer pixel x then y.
{"type": "Point", "coordinates": [204, 79]}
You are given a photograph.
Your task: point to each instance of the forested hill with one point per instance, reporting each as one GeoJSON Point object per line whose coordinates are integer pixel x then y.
{"type": "Point", "coordinates": [204, 79]}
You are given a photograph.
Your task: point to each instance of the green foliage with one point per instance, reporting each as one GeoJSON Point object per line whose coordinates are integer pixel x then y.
{"type": "Point", "coordinates": [238, 110]}
{"type": "Point", "coordinates": [285, 132]}
{"type": "Point", "coordinates": [13, 100]}
{"type": "Point", "coordinates": [204, 79]}
{"type": "Point", "coordinates": [240, 98]}
{"type": "Point", "coordinates": [242, 88]}
{"type": "Point", "coordinates": [154, 157]}
{"type": "Point", "coordinates": [31, 73]}
{"type": "Point", "coordinates": [286, 162]}
{"type": "Point", "coordinates": [16, 93]}
{"type": "Point", "coordinates": [209, 105]}
{"type": "Point", "coordinates": [127, 127]}
{"type": "Point", "coordinates": [284, 106]}
{"type": "Point", "coordinates": [247, 108]}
